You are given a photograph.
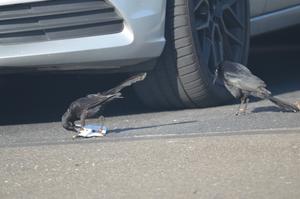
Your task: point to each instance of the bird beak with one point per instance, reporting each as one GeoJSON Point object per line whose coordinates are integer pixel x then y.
{"type": "Point", "coordinates": [216, 76]}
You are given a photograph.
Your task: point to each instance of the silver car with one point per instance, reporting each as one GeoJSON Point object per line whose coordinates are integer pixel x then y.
{"type": "Point", "coordinates": [179, 42]}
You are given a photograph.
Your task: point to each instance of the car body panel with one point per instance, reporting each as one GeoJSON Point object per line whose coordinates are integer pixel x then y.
{"type": "Point", "coordinates": [141, 39]}
{"type": "Point", "coordinates": [257, 7]}
{"type": "Point", "coordinates": [11, 2]}
{"type": "Point", "coordinates": [273, 5]}
{"type": "Point", "coordinates": [275, 20]}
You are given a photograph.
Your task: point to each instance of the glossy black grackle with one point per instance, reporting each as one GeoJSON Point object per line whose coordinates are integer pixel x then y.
{"type": "Point", "coordinates": [241, 83]}
{"type": "Point", "coordinates": [89, 106]}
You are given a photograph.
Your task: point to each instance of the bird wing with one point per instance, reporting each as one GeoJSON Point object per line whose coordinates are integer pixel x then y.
{"type": "Point", "coordinates": [244, 80]}
{"type": "Point", "coordinates": [235, 92]}
{"type": "Point", "coordinates": [126, 83]}
{"type": "Point", "coordinates": [93, 100]}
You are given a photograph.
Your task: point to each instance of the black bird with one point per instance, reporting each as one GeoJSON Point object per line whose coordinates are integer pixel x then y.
{"type": "Point", "coordinates": [241, 83]}
{"type": "Point", "coordinates": [89, 106]}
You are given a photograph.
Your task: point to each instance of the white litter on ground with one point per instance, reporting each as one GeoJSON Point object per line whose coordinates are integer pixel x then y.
{"type": "Point", "coordinates": [91, 130]}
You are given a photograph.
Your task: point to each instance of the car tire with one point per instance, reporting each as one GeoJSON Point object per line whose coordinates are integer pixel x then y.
{"type": "Point", "coordinates": [200, 34]}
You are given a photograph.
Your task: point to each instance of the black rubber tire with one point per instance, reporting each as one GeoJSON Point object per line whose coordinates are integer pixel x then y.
{"type": "Point", "coordinates": [180, 79]}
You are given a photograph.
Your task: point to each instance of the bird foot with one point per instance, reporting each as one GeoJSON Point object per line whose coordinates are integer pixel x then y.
{"type": "Point", "coordinates": [241, 111]}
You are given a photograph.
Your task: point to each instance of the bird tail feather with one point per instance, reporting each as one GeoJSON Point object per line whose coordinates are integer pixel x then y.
{"type": "Point", "coordinates": [126, 83]}
{"type": "Point", "coordinates": [284, 105]}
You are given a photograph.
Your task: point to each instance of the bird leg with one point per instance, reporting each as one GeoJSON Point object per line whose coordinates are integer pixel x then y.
{"type": "Point", "coordinates": [101, 120]}
{"type": "Point", "coordinates": [246, 106]}
{"type": "Point", "coordinates": [240, 109]}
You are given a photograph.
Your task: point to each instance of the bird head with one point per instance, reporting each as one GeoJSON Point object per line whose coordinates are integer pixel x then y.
{"type": "Point", "coordinates": [67, 121]}
{"type": "Point", "coordinates": [69, 126]}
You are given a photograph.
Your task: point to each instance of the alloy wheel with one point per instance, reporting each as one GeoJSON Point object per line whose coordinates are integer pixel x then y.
{"type": "Point", "coordinates": [219, 29]}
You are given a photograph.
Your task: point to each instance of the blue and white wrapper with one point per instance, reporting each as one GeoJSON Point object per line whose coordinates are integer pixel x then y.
{"type": "Point", "coordinates": [92, 130]}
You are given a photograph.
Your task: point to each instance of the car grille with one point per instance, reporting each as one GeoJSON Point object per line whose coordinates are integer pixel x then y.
{"type": "Point", "coordinates": [57, 19]}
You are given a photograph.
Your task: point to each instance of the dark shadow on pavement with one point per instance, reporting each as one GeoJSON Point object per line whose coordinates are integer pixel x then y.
{"type": "Point", "coordinates": [121, 130]}
{"type": "Point", "coordinates": [268, 109]}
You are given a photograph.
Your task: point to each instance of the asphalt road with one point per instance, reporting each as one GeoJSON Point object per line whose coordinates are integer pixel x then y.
{"type": "Point", "coordinates": [197, 153]}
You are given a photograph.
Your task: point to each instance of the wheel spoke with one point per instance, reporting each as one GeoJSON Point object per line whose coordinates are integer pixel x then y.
{"type": "Point", "coordinates": [234, 38]}
{"type": "Point", "coordinates": [202, 8]}
{"type": "Point", "coordinates": [207, 48]}
{"type": "Point", "coordinates": [231, 36]}
{"type": "Point", "coordinates": [225, 3]}
{"type": "Point", "coordinates": [228, 54]}
{"type": "Point", "coordinates": [231, 2]}
{"type": "Point", "coordinates": [202, 26]}
{"type": "Point", "coordinates": [198, 5]}
{"type": "Point", "coordinates": [217, 45]}
{"type": "Point", "coordinates": [231, 16]}
{"type": "Point", "coordinates": [216, 58]}
{"type": "Point", "coordinates": [202, 15]}
{"type": "Point", "coordinates": [219, 27]}
{"type": "Point", "coordinates": [213, 54]}
{"type": "Point", "coordinates": [212, 36]}
{"type": "Point", "coordinates": [220, 44]}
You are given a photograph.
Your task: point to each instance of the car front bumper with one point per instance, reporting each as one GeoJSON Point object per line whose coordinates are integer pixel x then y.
{"type": "Point", "coordinates": [141, 39]}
